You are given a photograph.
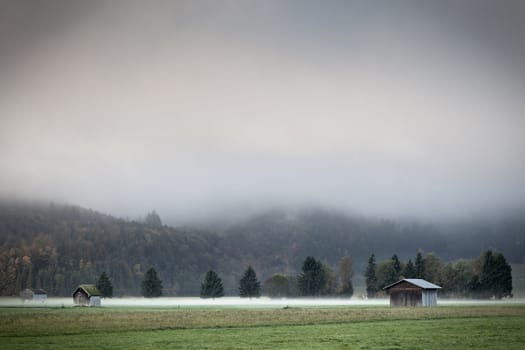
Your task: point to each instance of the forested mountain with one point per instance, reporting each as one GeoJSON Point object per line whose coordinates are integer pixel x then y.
{"type": "Point", "coordinates": [57, 247]}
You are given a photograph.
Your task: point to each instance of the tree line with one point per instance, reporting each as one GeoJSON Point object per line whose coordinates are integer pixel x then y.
{"type": "Point", "coordinates": [211, 287]}
{"type": "Point", "coordinates": [488, 276]}
{"type": "Point", "coordinates": [316, 279]}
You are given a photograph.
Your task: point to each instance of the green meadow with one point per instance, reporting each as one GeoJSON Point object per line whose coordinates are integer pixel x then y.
{"type": "Point", "coordinates": [453, 327]}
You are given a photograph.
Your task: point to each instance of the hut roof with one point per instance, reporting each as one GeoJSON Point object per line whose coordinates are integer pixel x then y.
{"type": "Point", "coordinates": [421, 283]}
{"type": "Point", "coordinates": [38, 291]}
{"type": "Point", "coordinates": [89, 289]}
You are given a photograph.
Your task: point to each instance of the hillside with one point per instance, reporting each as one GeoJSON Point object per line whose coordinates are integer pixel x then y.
{"type": "Point", "coordinates": [57, 247]}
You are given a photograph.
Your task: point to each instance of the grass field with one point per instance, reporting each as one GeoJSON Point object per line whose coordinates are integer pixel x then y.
{"type": "Point", "coordinates": [453, 327]}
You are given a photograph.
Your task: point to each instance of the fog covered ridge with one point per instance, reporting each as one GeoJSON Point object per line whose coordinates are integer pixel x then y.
{"type": "Point", "coordinates": [213, 108]}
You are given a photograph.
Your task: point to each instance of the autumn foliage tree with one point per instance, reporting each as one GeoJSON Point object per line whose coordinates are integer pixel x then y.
{"type": "Point", "coordinates": [345, 275]}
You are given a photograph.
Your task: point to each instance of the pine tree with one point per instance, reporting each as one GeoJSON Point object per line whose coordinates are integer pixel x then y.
{"type": "Point", "coordinates": [104, 286]}
{"type": "Point", "coordinates": [433, 268]}
{"type": "Point", "coordinates": [386, 274]}
{"type": "Point", "coordinates": [249, 286]}
{"type": "Point", "coordinates": [212, 286]}
{"type": "Point", "coordinates": [503, 277]}
{"type": "Point", "coordinates": [419, 266]}
{"type": "Point", "coordinates": [312, 280]}
{"type": "Point", "coordinates": [496, 276]}
{"type": "Point", "coordinates": [396, 265]}
{"type": "Point", "coordinates": [410, 270]}
{"type": "Point", "coordinates": [370, 277]}
{"type": "Point", "coordinates": [151, 285]}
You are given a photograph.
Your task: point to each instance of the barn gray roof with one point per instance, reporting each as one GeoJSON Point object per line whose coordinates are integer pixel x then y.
{"type": "Point", "coordinates": [416, 282]}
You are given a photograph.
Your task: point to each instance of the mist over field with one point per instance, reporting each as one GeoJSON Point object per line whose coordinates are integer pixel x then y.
{"type": "Point", "coordinates": [236, 302]}
{"type": "Point", "coordinates": [210, 109]}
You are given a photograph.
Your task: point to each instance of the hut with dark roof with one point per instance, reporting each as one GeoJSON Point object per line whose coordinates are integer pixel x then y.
{"type": "Point", "coordinates": [86, 295]}
{"type": "Point", "coordinates": [412, 292]}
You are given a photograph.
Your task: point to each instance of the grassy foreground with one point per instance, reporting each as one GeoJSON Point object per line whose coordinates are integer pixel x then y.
{"type": "Point", "coordinates": [459, 327]}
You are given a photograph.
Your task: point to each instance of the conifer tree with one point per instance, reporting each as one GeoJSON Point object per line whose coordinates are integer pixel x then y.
{"type": "Point", "coordinates": [410, 271]}
{"type": "Point", "coordinates": [151, 285]}
{"type": "Point", "coordinates": [503, 286]}
{"type": "Point", "coordinates": [496, 276]}
{"type": "Point", "coordinates": [396, 265]}
{"type": "Point", "coordinates": [212, 286]}
{"type": "Point", "coordinates": [370, 277]}
{"type": "Point", "coordinates": [104, 286]}
{"type": "Point", "coordinates": [386, 274]}
{"type": "Point", "coordinates": [312, 280]}
{"type": "Point", "coordinates": [419, 266]}
{"type": "Point", "coordinates": [249, 286]}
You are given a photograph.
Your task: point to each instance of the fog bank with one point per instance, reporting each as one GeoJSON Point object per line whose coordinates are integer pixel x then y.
{"type": "Point", "coordinates": [202, 108]}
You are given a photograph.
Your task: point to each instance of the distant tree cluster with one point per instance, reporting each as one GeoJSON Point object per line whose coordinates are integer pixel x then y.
{"type": "Point", "coordinates": [488, 276]}
{"type": "Point", "coordinates": [493, 277]}
{"type": "Point", "coordinates": [316, 279]}
{"type": "Point", "coordinates": [249, 285]}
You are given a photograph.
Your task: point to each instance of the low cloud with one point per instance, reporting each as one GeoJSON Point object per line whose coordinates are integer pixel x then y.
{"type": "Point", "coordinates": [190, 111]}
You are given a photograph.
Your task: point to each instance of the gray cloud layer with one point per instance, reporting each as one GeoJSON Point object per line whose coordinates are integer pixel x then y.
{"type": "Point", "coordinates": [389, 108]}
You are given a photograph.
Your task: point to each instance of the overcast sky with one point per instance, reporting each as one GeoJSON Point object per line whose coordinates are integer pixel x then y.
{"type": "Point", "coordinates": [196, 107]}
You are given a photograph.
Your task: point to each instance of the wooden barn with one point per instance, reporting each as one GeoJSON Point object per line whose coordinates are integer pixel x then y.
{"type": "Point", "coordinates": [412, 292]}
{"type": "Point", "coordinates": [86, 295]}
{"type": "Point", "coordinates": [30, 294]}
